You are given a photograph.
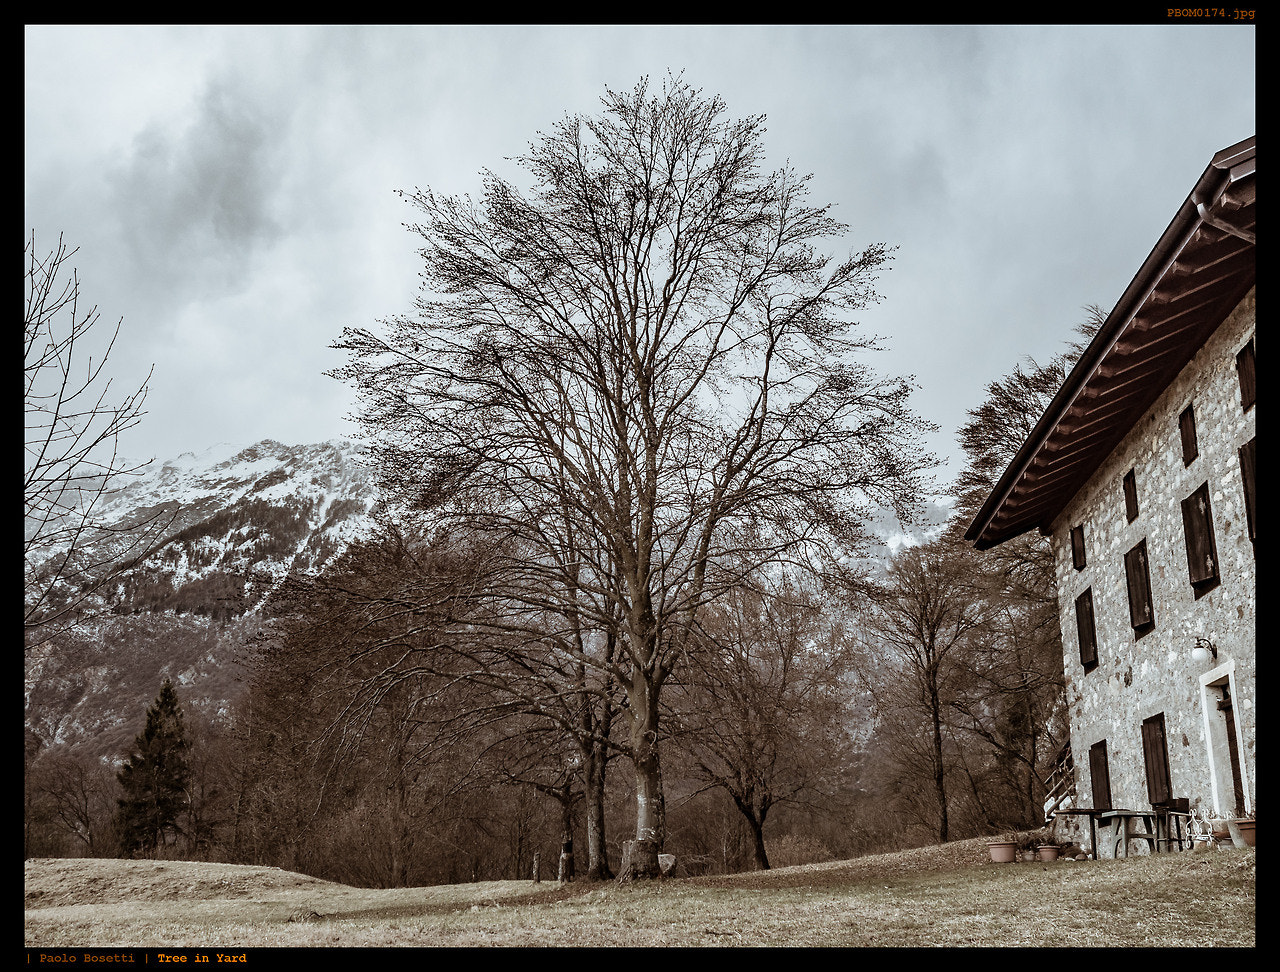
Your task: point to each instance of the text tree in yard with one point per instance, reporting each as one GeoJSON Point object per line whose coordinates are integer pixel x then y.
{"type": "Point", "coordinates": [644, 362]}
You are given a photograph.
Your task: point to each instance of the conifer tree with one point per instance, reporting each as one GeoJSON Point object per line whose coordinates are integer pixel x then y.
{"type": "Point", "coordinates": [155, 777]}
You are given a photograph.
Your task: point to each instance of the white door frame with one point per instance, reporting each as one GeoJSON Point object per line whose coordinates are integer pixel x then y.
{"type": "Point", "coordinates": [1209, 709]}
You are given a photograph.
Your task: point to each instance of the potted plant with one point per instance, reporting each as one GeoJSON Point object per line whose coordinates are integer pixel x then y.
{"type": "Point", "coordinates": [1047, 852]}
{"type": "Point", "coordinates": [1003, 849]}
{"type": "Point", "coordinates": [1239, 830]}
{"type": "Point", "coordinates": [1248, 829]}
{"type": "Point", "coordinates": [1246, 826]}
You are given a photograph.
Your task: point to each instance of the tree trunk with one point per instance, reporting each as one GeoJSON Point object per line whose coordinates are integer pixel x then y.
{"type": "Point", "coordinates": [757, 837]}
{"type": "Point", "coordinates": [643, 861]}
{"type": "Point", "coordinates": [565, 869]}
{"type": "Point", "coordinates": [597, 850]}
{"type": "Point", "coordinates": [939, 770]}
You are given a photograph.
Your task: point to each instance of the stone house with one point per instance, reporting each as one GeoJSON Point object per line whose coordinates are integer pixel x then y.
{"type": "Point", "coordinates": [1141, 472]}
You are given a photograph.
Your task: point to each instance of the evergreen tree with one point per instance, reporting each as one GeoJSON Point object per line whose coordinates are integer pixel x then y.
{"type": "Point", "coordinates": [155, 777]}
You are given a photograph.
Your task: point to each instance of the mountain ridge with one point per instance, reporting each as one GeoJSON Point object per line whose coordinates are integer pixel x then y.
{"type": "Point", "coordinates": [209, 535]}
{"type": "Point", "coordinates": [229, 524]}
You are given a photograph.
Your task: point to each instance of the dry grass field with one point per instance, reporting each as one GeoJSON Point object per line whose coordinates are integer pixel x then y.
{"type": "Point", "coordinates": [950, 895]}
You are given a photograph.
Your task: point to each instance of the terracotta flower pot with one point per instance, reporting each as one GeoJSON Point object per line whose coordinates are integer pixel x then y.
{"type": "Point", "coordinates": [1047, 852]}
{"type": "Point", "coordinates": [1002, 851]}
{"type": "Point", "coordinates": [1247, 828]}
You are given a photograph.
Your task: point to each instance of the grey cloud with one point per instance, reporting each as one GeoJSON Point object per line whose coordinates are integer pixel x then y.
{"type": "Point", "coordinates": [195, 205]}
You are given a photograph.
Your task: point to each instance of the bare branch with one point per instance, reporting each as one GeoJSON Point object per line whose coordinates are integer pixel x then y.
{"type": "Point", "coordinates": [72, 463]}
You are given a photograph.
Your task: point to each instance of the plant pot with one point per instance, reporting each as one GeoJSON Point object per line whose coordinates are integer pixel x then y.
{"type": "Point", "coordinates": [1047, 852]}
{"type": "Point", "coordinates": [1246, 829]}
{"type": "Point", "coordinates": [1002, 851]}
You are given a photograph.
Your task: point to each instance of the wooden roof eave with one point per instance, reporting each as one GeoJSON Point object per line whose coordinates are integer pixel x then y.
{"type": "Point", "coordinates": [1227, 189]}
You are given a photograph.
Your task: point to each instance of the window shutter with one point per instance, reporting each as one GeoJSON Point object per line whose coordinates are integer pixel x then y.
{"type": "Point", "coordinates": [1187, 426]}
{"type": "Point", "coordinates": [1100, 776]}
{"type": "Point", "coordinates": [1156, 757]}
{"type": "Point", "coordinates": [1130, 496]}
{"type": "Point", "coordinates": [1202, 553]}
{"type": "Point", "coordinates": [1077, 547]}
{"type": "Point", "coordinates": [1248, 456]}
{"type": "Point", "coordinates": [1086, 632]}
{"type": "Point", "coordinates": [1245, 369]}
{"type": "Point", "coordinates": [1138, 579]}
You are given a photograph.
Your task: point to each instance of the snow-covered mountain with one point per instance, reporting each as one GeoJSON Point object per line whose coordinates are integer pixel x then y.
{"type": "Point", "coordinates": [246, 517]}
{"type": "Point", "coordinates": [221, 528]}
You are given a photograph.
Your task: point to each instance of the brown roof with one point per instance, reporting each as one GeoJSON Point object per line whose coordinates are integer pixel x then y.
{"type": "Point", "coordinates": [1200, 269]}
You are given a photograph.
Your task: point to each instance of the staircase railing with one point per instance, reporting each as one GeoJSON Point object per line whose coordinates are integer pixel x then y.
{"type": "Point", "coordinates": [1061, 785]}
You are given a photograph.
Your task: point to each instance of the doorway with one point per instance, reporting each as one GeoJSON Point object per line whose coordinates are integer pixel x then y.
{"type": "Point", "coordinates": [1223, 738]}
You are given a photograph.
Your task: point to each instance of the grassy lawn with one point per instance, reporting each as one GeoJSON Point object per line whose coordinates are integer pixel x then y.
{"type": "Point", "coordinates": [954, 898]}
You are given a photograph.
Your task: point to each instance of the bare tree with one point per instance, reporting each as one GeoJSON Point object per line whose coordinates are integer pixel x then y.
{"type": "Point", "coordinates": [404, 610]}
{"type": "Point", "coordinates": [649, 348]}
{"type": "Point", "coordinates": [921, 628]}
{"type": "Point", "coordinates": [80, 793]}
{"type": "Point", "coordinates": [72, 460]}
{"type": "Point", "coordinates": [762, 706]}
{"type": "Point", "coordinates": [991, 437]}
{"type": "Point", "coordinates": [1014, 702]}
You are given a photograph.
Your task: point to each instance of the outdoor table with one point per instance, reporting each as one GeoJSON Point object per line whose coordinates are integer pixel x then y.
{"type": "Point", "coordinates": [1121, 824]}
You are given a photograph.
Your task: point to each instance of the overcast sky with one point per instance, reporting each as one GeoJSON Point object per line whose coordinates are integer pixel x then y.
{"type": "Point", "coordinates": [232, 189]}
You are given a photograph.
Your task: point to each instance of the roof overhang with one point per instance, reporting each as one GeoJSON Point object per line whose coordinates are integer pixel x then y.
{"type": "Point", "coordinates": [1201, 268]}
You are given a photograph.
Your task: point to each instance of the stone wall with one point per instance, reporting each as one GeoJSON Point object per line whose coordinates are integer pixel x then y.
{"type": "Point", "coordinates": [1139, 677]}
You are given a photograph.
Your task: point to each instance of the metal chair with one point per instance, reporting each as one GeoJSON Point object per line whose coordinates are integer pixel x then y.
{"type": "Point", "coordinates": [1200, 830]}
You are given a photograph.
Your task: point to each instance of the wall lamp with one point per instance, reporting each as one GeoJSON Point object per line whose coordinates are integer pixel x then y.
{"type": "Point", "coordinates": [1204, 650]}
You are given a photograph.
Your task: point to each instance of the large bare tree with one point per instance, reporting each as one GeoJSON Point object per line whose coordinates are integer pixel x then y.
{"type": "Point", "coordinates": [647, 347]}
{"type": "Point", "coordinates": [72, 458]}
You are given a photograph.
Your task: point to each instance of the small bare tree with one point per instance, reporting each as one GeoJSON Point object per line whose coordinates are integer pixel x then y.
{"type": "Point", "coordinates": [72, 460]}
{"type": "Point", "coordinates": [762, 707]}
{"type": "Point", "coordinates": [924, 620]}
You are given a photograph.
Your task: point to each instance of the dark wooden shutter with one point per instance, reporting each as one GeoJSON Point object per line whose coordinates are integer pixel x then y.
{"type": "Point", "coordinates": [1156, 756]}
{"type": "Point", "coordinates": [1187, 426]}
{"type": "Point", "coordinates": [1245, 369]}
{"type": "Point", "coordinates": [1248, 456]}
{"type": "Point", "coordinates": [1202, 553]}
{"type": "Point", "coordinates": [1141, 615]}
{"type": "Point", "coordinates": [1130, 496]}
{"type": "Point", "coordinates": [1077, 547]}
{"type": "Point", "coordinates": [1086, 632]}
{"type": "Point", "coordinates": [1100, 776]}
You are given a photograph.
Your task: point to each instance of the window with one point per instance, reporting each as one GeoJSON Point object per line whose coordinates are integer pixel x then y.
{"type": "Point", "coordinates": [1244, 368]}
{"type": "Point", "coordinates": [1187, 426]}
{"type": "Point", "coordinates": [1202, 553]}
{"type": "Point", "coordinates": [1085, 631]}
{"type": "Point", "coordinates": [1138, 579]}
{"type": "Point", "coordinates": [1100, 776]}
{"type": "Point", "coordinates": [1130, 496]}
{"type": "Point", "coordinates": [1155, 755]}
{"type": "Point", "coordinates": [1077, 547]}
{"type": "Point", "coordinates": [1248, 455]}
